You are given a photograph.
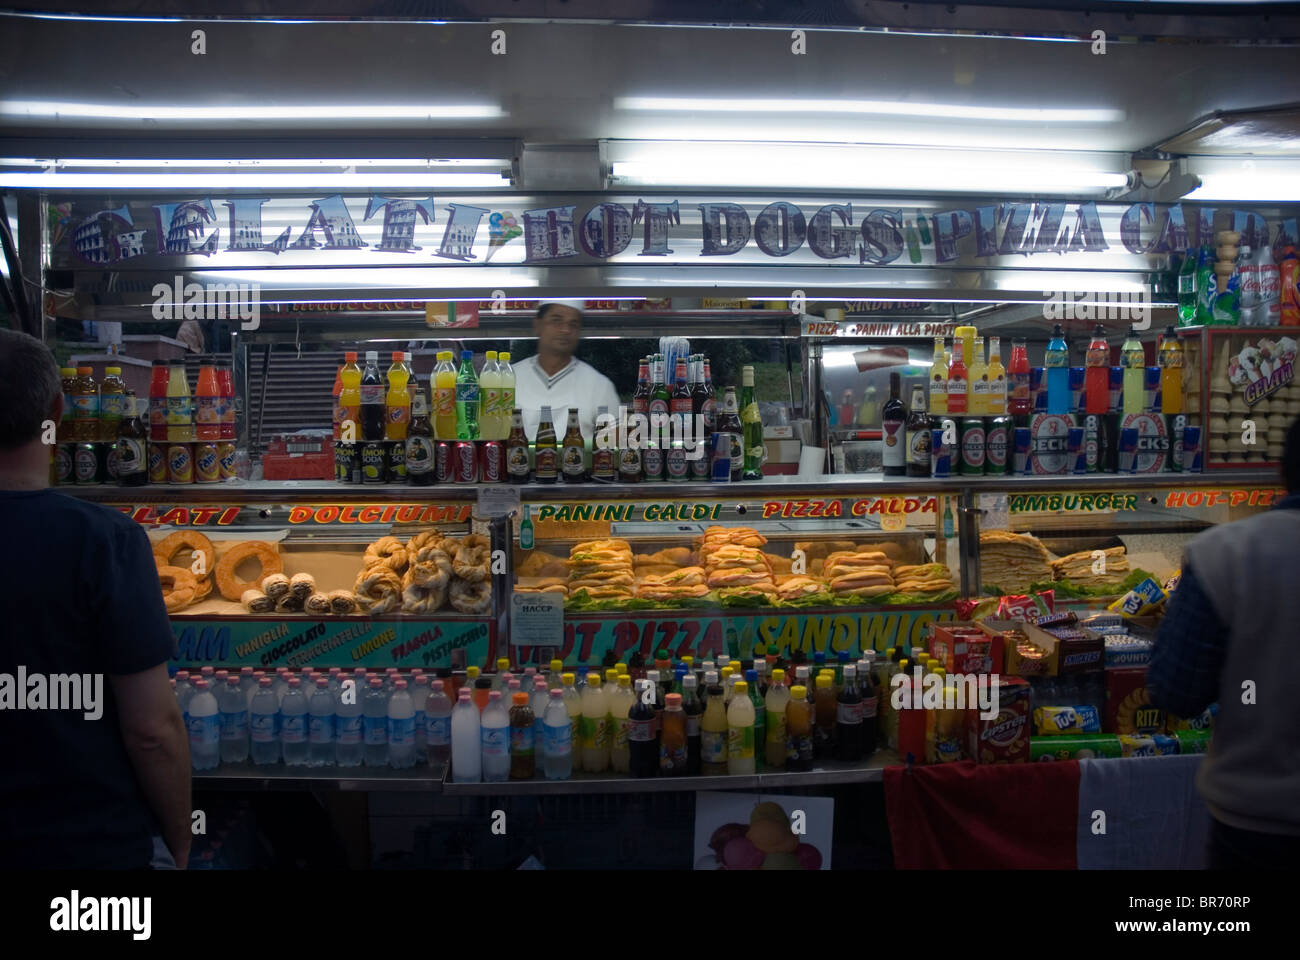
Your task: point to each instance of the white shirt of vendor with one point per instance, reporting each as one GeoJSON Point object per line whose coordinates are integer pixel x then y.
{"type": "Point", "coordinates": [578, 385]}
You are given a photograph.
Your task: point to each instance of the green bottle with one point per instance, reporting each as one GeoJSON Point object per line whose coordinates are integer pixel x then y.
{"type": "Point", "coordinates": [913, 248]}
{"type": "Point", "coordinates": [751, 423]}
{"type": "Point", "coordinates": [467, 398]}
{"type": "Point", "coordinates": [1187, 290]}
{"type": "Point", "coordinates": [923, 226]}
{"type": "Point", "coordinates": [1205, 287]}
{"type": "Point", "coordinates": [526, 530]}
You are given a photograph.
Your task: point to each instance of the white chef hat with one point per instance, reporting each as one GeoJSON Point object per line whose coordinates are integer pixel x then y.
{"type": "Point", "coordinates": [578, 305]}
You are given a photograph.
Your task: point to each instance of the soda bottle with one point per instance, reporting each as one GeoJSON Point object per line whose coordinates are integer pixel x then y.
{"type": "Point", "coordinates": [397, 402]}
{"type": "Point", "coordinates": [694, 710]}
{"type": "Point", "coordinates": [1205, 287]}
{"type": "Point", "coordinates": [848, 718]}
{"type": "Point", "coordinates": [1171, 372]}
{"type": "Point", "coordinates": [643, 754]}
{"type": "Point", "coordinates": [573, 704]}
{"type": "Point", "coordinates": [337, 392]}
{"type": "Point", "coordinates": [112, 400]}
{"type": "Point", "coordinates": [1057, 362]}
{"type": "Point", "coordinates": [157, 402]}
{"type": "Point", "coordinates": [467, 399]}
{"type": "Point", "coordinates": [466, 741]}
{"type": "Point", "coordinates": [506, 403]}
{"type": "Point", "coordinates": [825, 710]}
{"type": "Point", "coordinates": [1133, 360]}
{"type": "Point", "coordinates": [350, 397]}
{"type": "Point", "coordinates": [760, 718]}
{"type": "Point", "coordinates": [740, 731]}
{"type": "Point", "coordinates": [620, 702]}
{"type": "Point", "coordinates": [85, 406]}
{"type": "Point", "coordinates": [1096, 384]}
{"type": "Point", "coordinates": [557, 738]}
{"type": "Point", "coordinates": [494, 727]}
{"type": "Point", "coordinates": [799, 729]}
{"type": "Point", "coordinates": [672, 738]}
{"type": "Point", "coordinates": [913, 248]}
{"type": "Point", "coordinates": [869, 705]}
{"type": "Point", "coordinates": [204, 727]}
{"type": "Point", "coordinates": [226, 389]}
{"type": "Point", "coordinates": [207, 405]}
{"type": "Point", "coordinates": [523, 764]}
{"type": "Point", "coordinates": [372, 399]}
{"type": "Point", "coordinates": [1019, 402]}
{"type": "Point", "coordinates": [489, 382]}
{"type": "Point", "coordinates": [713, 734]}
{"type": "Point", "coordinates": [1186, 290]}
{"type": "Point", "coordinates": [320, 725]}
{"type": "Point", "coordinates": [595, 728]}
{"type": "Point", "coordinates": [293, 724]}
{"type": "Point", "coordinates": [444, 397]}
{"type": "Point", "coordinates": [977, 399]}
{"type": "Point", "coordinates": [233, 707]}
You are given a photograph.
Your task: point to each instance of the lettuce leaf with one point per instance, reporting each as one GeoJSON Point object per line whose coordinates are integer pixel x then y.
{"type": "Point", "coordinates": [1064, 588]}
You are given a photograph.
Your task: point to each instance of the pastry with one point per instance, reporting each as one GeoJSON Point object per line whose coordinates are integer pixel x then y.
{"type": "Point", "coordinates": [275, 586]}
{"type": "Point", "coordinates": [288, 604]}
{"type": "Point", "coordinates": [472, 559]}
{"type": "Point", "coordinates": [389, 552]}
{"type": "Point", "coordinates": [255, 601]}
{"type": "Point", "coordinates": [178, 587]}
{"type": "Point", "coordinates": [318, 604]}
{"type": "Point", "coordinates": [471, 597]}
{"type": "Point", "coordinates": [197, 543]}
{"type": "Point", "coordinates": [378, 588]}
{"type": "Point", "coordinates": [342, 602]}
{"type": "Point", "coordinates": [302, 586]}
{"type": "Point", "coordinates": [233, 588]}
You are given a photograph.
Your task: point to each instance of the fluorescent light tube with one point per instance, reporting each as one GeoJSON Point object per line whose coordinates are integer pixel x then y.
{"type": "Point", "coordinates": [895, 108]}
{"type": "Point", "coordinates": [32, 109]}
{"type": "Point", "coordinates": [249, 181]}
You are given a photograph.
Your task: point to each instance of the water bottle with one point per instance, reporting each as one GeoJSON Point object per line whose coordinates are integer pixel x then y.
{"type": "Point", "coordinates": [281, 684]}
{"type": "Point", "coordinates": [204, 727]}
{"type": "Point", "coordinates": [390, 680]}
{"type": "Point", "coordinates": [264, 724]}
{"type": "Point", "coordinates": [527, 681]}
{"type": "Point", "coordinates": [419, 699]}
{"type": "Point", "coordinates": [374, 724]}
{"type": "Point", "coordinates": [494, 729]}
{"type": "Point", "coordinates": [401, 728]}
{"type": "Point", "coordinates": [537, 701]}
{"type": "Point", "coordinates": [335, 680]}
{"type": "Point", "coordinates": [466, 741]}
{"type": "Point", "coordinates": [557, 739]}
{"type": "Point", "coordinates": [293, 724]}
{"type": "Point", "coordinates": [320, 725]}
{"type": "Point", "coordinates": [437, 725]}
{"type": "Point", "coordinates": [252, 690]}
{"type": "Point", "coordinates": [247, 684]}
{"type": "Point", "coordinates": [184, 691]}
{"type": "Point", "coordinates": [347, 724]}
{"type": "Point", "coordinates": [234, 722]}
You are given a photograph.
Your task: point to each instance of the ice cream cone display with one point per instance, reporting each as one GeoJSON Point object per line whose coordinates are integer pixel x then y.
{"type": "Point", "coordinates": [502, 228]}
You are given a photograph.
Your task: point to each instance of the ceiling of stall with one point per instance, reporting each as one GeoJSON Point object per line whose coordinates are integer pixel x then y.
{"type": "Point", "coordinates": [575, 82]}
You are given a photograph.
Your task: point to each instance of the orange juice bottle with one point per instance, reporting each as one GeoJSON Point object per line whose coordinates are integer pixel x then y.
{"type": "Point", "coordinates": [397, 403]}
{"type": "Point", "coordinates": [180, 406]}
{"type": "Point", "coordinates": [444, 397]}
{"type": "Point", "coordinates": [207, 414]}
{"type": "Point", "coordinates": [350, 395]}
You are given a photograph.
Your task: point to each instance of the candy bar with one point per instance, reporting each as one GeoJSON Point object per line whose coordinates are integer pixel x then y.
{"type": "Point", "coordinates": [1062, 618]}
{"type": "Point", "coordinates": [1054, 721]}
{"type": "Point", "coordinates": [1126, 651]}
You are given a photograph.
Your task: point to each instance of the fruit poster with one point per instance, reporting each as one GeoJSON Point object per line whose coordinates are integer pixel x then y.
{"type": "Point", "coordinates": [755, 831]}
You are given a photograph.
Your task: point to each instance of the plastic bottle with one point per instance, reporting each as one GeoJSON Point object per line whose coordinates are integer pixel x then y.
{"type": "Point", "coordinates": [557, 738]}
{"type": "Point", "coordinates": [1171, 373]}
{"type": "Point", "coordinates": [226, 390]}
{"type": "Point", "coordinates": [506, 403]}
{"type": "Point", "coordinates": [372, 400]}
{"type": "Point", "coordinates": [180, 406]}
{"type": "Point", "coordinates": [870, 695]}
{"type": "Point", "coordinates": [1057, 364]}
{"type": "Point", "coordinates": [494, 730]}
{"type": "Point", "coordinates": [112, 404]}
{"type": "Point", "coordinates": [349, 403]}
{"type": "Point", "coordinates": [573, 704]}
{"type": "Point", "coordinates": [468, 399]}
{"type": "Point", "coordinates": [1187, 289]}
{"type": "Point", "coordinates": [234, 722]}
{"type": "Point", "coordinates": [1205, 287]}
{"type": "Point", "coordinates": [184, 691]}
{"type": "Point", "coordinates": [157, 402]}
{"type": "Point", "coordinates": [740, 731]}
{"type": "Point", "coordinates": [619, 703]}
{"type": "Point", "coordinates": [400, 728]}
{"type": "Point", "coordinates": [760, 718]}
{"type": "Point", "coordinates": [643, 752]}
{"type": "Point", "coordinates": [349, 735]}
{"type": "Point", "coordinates": [1096, 384]}
{"type": "Point", "coordinates": [280, 684]}
{"type": "Point", "coordinates": [437, 724]}
{"type": "Point", "coordinates": [848, 719]}
{"type": "Point", "coordinates": [1268, 311]}
{"type": "Point", "coordinates": [799, 730]}
{"type": "Point", "coordinates": [694, 710]}
{"type": "Point", "coordinates": [537, 701]}
{"type": "Point", "coordinates": [1133, 360]}
{"type": "Point", "coordinates": [466, 740]}
{"type": "Point", "coordinates": [489, 382]}
{"type": "Point", "coordinates": [774, 707]}
{"type": "Point", "coordinates": [320, 725]}
{"type": "Point", "coordinates": [293, 725]}
{"type": "Point", "coordinates": [397, 402]}
{"type": "Point", "coordinates": [204, 728]}
{"type": "Point", "coordinates": [418, 688]}
{"type": "Point", "coordinates": [444, 397]}
{"type": "Point", "coordinates": [85, 406]}
{"type": "Point", "coordinates": [523, 761]}
{"type": "Point", "coordinates": [672, 738]}
{"type": "Point", "coordinates": [264, 725]}
{"type": "Point", "coordinates": [482, 689]}
{"type": "Point", "coordinates": [207, 405]}
{"type": "Point", "coordinates": [595, 727]}
{"type": "Point", "coordinates": [374, 724]}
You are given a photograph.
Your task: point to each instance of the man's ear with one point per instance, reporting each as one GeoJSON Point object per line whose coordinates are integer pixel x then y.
{"type": "Point", "coordinates": [56, 412]}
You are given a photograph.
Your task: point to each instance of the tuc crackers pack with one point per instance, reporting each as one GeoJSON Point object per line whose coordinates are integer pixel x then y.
{"type": "Point", "coordinates": [1005, 738]}
{"type": "Point", "coordinates": [1140, 601]}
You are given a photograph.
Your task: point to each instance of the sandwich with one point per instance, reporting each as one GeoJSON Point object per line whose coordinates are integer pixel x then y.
{"type": "Point", "coordinates": [794, 587]}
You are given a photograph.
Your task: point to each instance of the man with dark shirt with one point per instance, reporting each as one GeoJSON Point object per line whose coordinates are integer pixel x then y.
{"type": "Point", "coordinates": [94, 774]}
{"type": "Point", "coordinates": [1229, 636]}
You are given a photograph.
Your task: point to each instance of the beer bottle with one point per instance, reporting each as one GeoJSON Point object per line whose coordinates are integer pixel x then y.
{"type": "Point", "coordinates": [419, 442]}
{"type": "Point", "coordinates": [705, 405]}
{"type": "Point", "coordinates": [700, 467]}
{"type": "Point", "coordinates": [660, 404]}
{"type": "Point", "coordinates": [681, 404]}
{"type": "Point", "coordinates": [573, 455]}
{"type": "Point", "coordinates": [516, 449]}
{"type": "Point", "coordinates": [132, 467]}
{"type": "Point", "coordinates": [629, 453]}
{"type": "Point", "coordinates": [729, 426]}
{"type": "Point", "coordinates": [548, 454]}
{"type": "Point", "coordinates": [893, 433]}
{"type": "Point", "coordinates": [752, 425]}
{"type": "Point", "coordinates": [641, 395]}
{"type": "Point", "coordinates": [604, 448]}
{"type": "Point", "coordinates": [918, 435]}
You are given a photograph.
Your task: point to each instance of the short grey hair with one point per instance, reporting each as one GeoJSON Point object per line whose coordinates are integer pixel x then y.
{"type": "Point", "coordinates": [29, 384]}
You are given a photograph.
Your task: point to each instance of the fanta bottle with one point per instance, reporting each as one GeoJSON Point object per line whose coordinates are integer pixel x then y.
{"type": "Point", "coordinates": [226, 387]}
{"type": "Point", "coordinates": [158, 402]}
{"type": "Point", "coordinates": [207, 413]}
{"type": "Point", "coordinates": [444, 397]}
{"type": "Point", "coordinates": [180, 406]}
{"type": "Point", "coordinates": [350, 396]}
{"type": "Point", "coordinates": [397, 404]}
{"type": "Point", "coordinates": [335, 392]}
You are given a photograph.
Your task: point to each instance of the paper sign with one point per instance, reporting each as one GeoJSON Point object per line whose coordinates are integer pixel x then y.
{"type": "Point", "coordinates": [536, 620]}
{"type": "Point", "coordinates": [497, 500]}
{"type": "Point", "coordinates": [996, 511]}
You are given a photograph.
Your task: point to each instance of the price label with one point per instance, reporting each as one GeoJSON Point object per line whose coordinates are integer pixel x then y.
{"type": "Point", "coordinates": [536, 620]}
{"type": "Point", "coordinates": [996, 511]}
{"type": "Point", "coordinates": [497, 500]}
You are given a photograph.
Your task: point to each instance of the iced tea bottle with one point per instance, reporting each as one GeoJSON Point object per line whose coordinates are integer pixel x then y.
{"type": "Point", "coordinates": [826, 710]}
{"type": "Point", "coordinates": [523, 762]}
{"type": "Point", "coordinates": [799, 730]}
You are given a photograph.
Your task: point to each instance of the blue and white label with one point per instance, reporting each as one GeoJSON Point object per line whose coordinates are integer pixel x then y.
{"type": "Point", "coordinates": [204, 731]}
{"type": "Point", "coordinates": [348, 729]}
{"type": "Point", "coordinates": [496, 741]}
{"type": "Point", "coordinates": [437, 731]}
{"type": "Point", "coordinates": [293, 728]}
{"type": "Point", "coordinates": [234, 726]}
{"type": "Point", "coordinates": [322, 728]}
{"type": "Point", "coordinates": [262, 727]}
{"type": "Point", "coordinates": [376, 730]}
{"type": "Point", "coordinates": [557, 741]}
{"type": "Point", "coordinates": [401, 733]}
{"type": "Point", "coordinates": [421, 723]}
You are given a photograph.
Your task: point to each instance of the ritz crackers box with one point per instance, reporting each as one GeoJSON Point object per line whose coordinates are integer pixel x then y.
{"type": "Point", "coordinates": [1128, 705]}
{"type": "Point", "coordinates": [1005, 738]}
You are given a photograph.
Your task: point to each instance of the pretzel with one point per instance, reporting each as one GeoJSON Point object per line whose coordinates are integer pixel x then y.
{"type": "Point", "coordinates": [472, 559]}
{"type": "Point", "coordinates": [430, 567]}
{"type": "Point", "coordinates": [389, 552]}
{"type": "Point", "coordinates": [233, 588]}
{"type": "Point", "coordinates": [471, 597]}
{"type": "Point", "coordinates": [378, 588]}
